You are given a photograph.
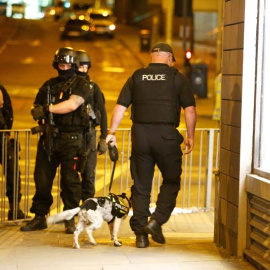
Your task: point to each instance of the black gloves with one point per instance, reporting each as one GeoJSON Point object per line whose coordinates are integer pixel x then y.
{"type": "Point", "coordinates": [102, 146]}
{"type": "Point", "coordinates": [39, 112]}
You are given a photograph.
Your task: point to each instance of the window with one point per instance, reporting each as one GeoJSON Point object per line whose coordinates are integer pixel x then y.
{"type": "Point", "coordinates": [262, 114]}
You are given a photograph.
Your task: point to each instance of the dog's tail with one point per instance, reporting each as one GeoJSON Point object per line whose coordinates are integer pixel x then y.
{"type": "Point", "coordinates": [66, 215]}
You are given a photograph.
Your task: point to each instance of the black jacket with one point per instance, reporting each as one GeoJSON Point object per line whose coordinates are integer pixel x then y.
{"type": "Point", "coordinates": [6, 110]}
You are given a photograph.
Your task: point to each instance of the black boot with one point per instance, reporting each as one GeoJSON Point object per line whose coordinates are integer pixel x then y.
{"type": "Point", "coordinates": [37, 223]}
{"type": "Point", "coordinates": [154, 228]}
{"type": "Point", "coordinates": [20, 213]}
{"type": "Point", "coordinates": [70, 226]}
{"type": "Point", "coordinates": [142, 240]}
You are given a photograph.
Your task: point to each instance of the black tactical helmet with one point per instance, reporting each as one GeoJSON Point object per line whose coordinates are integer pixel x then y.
{"type": "Point", "coordinates": [82, 58]}
{"type": "Point", "coordinates": [64, 55]}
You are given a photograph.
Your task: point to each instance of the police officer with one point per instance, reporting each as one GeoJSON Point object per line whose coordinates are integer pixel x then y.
{"type": "Point", "coordinates": [97, 116]}
{"type": "Point", "coordinates": [6, 121]}
{"type": "Point", "coordinates": [157, 94]}
{"type": "Point", "coordinates": [61, 140]}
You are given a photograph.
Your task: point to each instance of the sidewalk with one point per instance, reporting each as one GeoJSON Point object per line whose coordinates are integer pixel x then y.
{"type": "Point", "coordinates": [189, 245]}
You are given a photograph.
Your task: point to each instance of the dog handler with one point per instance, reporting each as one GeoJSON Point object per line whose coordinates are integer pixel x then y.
{"type": "Point", "coordinates": [157, 94]}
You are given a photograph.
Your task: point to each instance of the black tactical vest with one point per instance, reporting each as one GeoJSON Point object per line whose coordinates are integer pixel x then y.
{"type": "Point", "coordinates": [154, 95]}
{"type": "Point", "coordinates": [73, 121]}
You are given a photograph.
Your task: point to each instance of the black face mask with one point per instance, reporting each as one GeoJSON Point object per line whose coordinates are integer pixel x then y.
{"type": "Point", "coordinates": [66, 74]}
{"type": "Point", "coordinates": [83, 74]}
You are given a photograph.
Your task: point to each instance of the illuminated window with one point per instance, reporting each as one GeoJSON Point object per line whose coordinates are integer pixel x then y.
{"type": "Point", "coordinates": [262, 127]}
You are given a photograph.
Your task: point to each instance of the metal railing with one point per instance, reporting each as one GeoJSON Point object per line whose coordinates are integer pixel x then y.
{"type": "Point", "coordinates": [197, 180]}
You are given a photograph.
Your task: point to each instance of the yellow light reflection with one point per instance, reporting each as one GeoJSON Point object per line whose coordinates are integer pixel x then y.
{"type": "Point", "coordinates": [85, 27]}
{"type": "Point", "coordinates": [112, 27]}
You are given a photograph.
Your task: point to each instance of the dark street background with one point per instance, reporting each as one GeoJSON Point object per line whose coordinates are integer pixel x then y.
{"type": "Point", "coordinates": [27, 48]}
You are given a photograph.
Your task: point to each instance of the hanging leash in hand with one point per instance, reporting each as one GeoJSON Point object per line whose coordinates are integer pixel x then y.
{"type": "Point", "coordinates": [113, 152]}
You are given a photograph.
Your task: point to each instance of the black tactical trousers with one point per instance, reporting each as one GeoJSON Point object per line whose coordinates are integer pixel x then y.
{"type": "Point", "coordinates": [88, 175]}
{"type": "Point", "coordinates": [64, 154]}
{"type": "Point", "coordinates": [13, 176]}
{"type": "Point", "coordinates": [154, 144]}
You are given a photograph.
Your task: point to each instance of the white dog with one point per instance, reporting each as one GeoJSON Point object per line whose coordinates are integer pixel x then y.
{"type": "Point", "coordinates": [91, 214]}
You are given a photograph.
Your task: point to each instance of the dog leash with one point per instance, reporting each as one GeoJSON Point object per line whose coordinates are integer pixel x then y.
{"type": "Point", "coordinates": [113, 152]}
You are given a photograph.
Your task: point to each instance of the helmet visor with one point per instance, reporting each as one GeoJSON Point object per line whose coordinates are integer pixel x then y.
{"type": "Point", "coordinates": [67, 59]}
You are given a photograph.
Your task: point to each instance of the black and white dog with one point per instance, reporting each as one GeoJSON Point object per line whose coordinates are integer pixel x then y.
{"type": "Point", "coordinates": [91, 214]}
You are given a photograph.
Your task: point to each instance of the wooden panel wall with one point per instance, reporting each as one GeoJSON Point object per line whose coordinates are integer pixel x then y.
{"type": "Point", "coordinates": [231, 96]}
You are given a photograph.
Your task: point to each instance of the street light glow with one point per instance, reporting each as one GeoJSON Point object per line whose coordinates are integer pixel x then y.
{"type": "Point", "coordinates": [188, 54]}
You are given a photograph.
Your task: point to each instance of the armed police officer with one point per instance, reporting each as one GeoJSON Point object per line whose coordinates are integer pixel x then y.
{"type": "Point", "coordinates": [60, 109]}
{"type": "Point", "coordinates": [97, 117]}
{"type": "Point", "coordinates": [157, 94]}
{"type": "Point", "coordinates": [13, 188]}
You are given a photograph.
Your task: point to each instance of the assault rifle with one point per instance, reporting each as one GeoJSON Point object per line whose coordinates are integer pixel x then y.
{"type": "Point", "coordinates": [49, 132]}
{"type": "Point", "coordinates": [47, 127]}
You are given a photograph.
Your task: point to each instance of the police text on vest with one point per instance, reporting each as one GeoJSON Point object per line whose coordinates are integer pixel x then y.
{"type": "Point", "coordinates": [154, 77]}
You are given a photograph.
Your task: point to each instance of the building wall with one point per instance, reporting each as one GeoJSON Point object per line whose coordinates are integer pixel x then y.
{"type": "Point", "coordinates": [231, 102]}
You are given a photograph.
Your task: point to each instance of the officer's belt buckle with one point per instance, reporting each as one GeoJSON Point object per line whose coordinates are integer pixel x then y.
{"type": "Point", "coordinates": [68, 136]}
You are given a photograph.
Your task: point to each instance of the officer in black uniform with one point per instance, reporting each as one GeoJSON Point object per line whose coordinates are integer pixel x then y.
{"type": "Point", "coordinates": [97, 116]}
{"type": "Point", "coordinates": [6, 121]}
{"type": "Point", "coordinates": [61, 141]}
{"type": "Point", "coordinates": [157, 94]}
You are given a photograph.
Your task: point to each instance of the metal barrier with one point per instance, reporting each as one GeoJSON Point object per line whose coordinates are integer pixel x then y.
{"type": "Point", "coordinates": [197, 176]}
{"type": "Point", "coordinates": [17, 144]}
{"type": "Point", "coordinates": [197, 181]}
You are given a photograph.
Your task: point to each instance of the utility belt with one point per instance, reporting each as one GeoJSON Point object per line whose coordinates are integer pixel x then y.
{"type": "Point", "coordinates": [69, 136]}
{"type": "Point", "coordinates": [157, 123]}
{"type": "Point", "coordinates": [56, 134]}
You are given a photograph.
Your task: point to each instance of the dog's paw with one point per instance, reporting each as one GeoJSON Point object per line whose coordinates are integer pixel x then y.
{"type": "Point", "coordinates": [76, 246]}
{"type": "Point", "coordinates": [93, 243]}
{"type": "Point", "coordinates": [117, 243]}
